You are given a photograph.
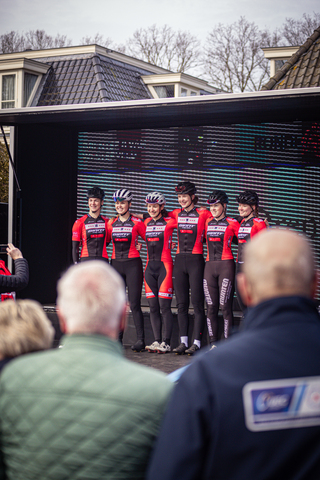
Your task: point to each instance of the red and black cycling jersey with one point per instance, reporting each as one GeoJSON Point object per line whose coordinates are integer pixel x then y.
{"type": "Point", "coordinates": [124, 236]}
{"type": "Point", "coordinates": [219, 235]}
{"type": "Point", "coordinates": [93, 235]}
{"type": "Point", "coordinates": [247, 230]}
{"type": "Point", "coordinates": [159, 238]}
{"type": "Point", "coordinates": [190, 229]}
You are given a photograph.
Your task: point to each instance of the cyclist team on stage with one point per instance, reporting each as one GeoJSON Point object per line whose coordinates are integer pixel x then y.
{"type": "Point", "coordinates": [213, 279]}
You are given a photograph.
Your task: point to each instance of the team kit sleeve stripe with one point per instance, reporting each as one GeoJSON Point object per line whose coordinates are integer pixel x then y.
{"type": "Point", "coordinates": [76, 231]}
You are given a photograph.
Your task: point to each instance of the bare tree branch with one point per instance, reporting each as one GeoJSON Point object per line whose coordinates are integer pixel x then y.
{"type": "Point", "coordinates": [38, 39]}
{"type": "Point", "coordinates": [60, 41]}
{"type": "Point", "coordinates": [97, 39]}
{"type": "Point", "coordinates": [165, 48]}
{"type": "Point", "coordinates": [187, 49]}
{"type": "Point", "coordinates": [12, 42]}
{"type": "Point", "coordinates": [234, 60]}
{"type": "Point", "coordinates": [296, 32]}
{"type": "Point", "coordinates": [121, 48]}
{"type": "Point", "coordinates": [34, 39]}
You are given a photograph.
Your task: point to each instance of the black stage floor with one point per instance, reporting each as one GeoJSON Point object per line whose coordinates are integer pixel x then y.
{"type": "Point", "coordinates": [166, 362]}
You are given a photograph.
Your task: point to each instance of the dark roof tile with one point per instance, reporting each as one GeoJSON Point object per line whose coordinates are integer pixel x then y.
{"type": "Point", "coordinates": [302, 69]}
{"type": "Point", "coordinates": [89, 78]}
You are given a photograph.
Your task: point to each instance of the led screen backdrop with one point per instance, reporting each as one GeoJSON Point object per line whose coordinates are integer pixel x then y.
{"type": "Point", "coordinates": [279, 161]}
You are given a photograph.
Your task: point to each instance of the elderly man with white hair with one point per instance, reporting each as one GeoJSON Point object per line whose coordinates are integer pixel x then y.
{"type": "Point", "coordinates": [250, 408]}
{"type": "Point", "coordinates": [82, 411]}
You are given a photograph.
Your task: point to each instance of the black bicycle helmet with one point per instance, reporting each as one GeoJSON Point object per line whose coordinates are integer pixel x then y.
{"type": "Point", "coordinates": [248, 197]}
{"type": "Point", "coordinates": [218, 196]}
{"type": "Point", "coordinates": [95, 192]}
{"type": "Point", "coordinates": [186, 187]}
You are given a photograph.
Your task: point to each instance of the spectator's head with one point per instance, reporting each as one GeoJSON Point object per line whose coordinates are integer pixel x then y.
{"type": "Point", "coordinates": [91, 299]}
{"type": "Point", "coordinates": [277, 263]}
{"type": "Point", "coordinates": [24, 328]}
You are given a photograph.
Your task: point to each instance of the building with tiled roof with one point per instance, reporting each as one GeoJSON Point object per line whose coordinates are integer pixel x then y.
{"type": "Point", "coordinates": [87, 74]}
{"type": "Point", "coordinates": [88, 78]}
{"type": "Point", "coordinates": [301, 70]}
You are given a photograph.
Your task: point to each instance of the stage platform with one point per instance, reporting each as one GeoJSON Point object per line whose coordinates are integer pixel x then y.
{"type": "Point", "coordinates": [165, 362]}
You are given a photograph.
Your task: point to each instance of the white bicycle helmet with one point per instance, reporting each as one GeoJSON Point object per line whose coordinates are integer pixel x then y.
{"type": "Point", "coordinates": [156, 197]}
{"type": "Point", "coordinates": [122, 194]}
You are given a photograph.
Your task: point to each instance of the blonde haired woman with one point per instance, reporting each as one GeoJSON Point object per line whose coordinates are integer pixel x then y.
{"type": "Point", "coordinates": [24, 328]}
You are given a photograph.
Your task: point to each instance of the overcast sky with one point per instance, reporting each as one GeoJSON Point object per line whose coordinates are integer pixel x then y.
{"type": "Point", "coordinates": [118, 19]}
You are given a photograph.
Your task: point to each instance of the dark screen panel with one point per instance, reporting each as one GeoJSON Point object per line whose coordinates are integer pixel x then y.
{"type": "Point", "coordinates": [279, 161]}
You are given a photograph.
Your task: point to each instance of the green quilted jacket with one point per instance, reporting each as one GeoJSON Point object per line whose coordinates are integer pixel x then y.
{"type": "Point", "coordinates": [79, 412]}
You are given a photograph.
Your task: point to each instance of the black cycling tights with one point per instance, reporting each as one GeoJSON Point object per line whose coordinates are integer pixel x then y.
{"type": "Point", "coordinates": [188, 273]}
{"type": "Point", "coordinates": [132, 274]}
{"type": "Point", "coordinates": [158, 280]}
{"type": "Point", "coordinates": [164, 304]}
{"type": "Point", "coordinates": [242, 305]}
{"type": "Point", "coordinates": [218, 284]}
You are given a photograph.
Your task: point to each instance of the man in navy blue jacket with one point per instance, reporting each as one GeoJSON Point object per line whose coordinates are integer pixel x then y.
{"type": "Point", "coordinates": [251, 407]}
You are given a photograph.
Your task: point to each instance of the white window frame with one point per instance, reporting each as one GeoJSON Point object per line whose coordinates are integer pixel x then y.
{"type": "Point", "coordinates": [195, 92]}
{"type": "Point", "coordinates": [35, 87]}
{"type": "Point", "coordinates": [178, 87]}
{"type": "Point", "coordinates": [180, 81]}
{"type": "Point", "coordinates": [15, 99]}
{"type": "Point", "coordinates": [18, 67]}
{"type": "Point", "coordinates": [154, 93]}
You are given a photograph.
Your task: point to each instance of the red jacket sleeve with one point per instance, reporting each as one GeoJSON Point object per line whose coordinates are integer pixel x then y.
{"type": "Point", "coordinates": [108, 230]}
{"type": "Point", "coordinates": [174, 213]}
{"type": "Point", "coordinates": [258, 226]}
{"type": "Point", "coordinates": [206, 213]}
{"type": "Point", "coordinates": [236, 226]}
{"type": "Point", "coordinates": [142, 230]}
{"type": "Point", "coordinates": [76, 231]}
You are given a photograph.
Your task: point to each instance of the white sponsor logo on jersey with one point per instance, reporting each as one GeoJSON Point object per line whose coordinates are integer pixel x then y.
{"type": "Point", "coordinates": [217, 228]}
{"type": "Point", "coordinates": [122, 229]}
{"type": "Point", "coordinates": [188, 220]}
{"type": "Point", "coordinates": [244, 230]}
{"type": "Point", "coordinates": [95, 226]}
{"type": "Point", "coordinates": [156, 228]}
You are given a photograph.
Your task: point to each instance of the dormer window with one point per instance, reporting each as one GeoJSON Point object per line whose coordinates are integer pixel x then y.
{"type": "Point", "coordinates": [278, 56]}
{"type": "Point", "coordinates": [8, 89]}
{"type": "Point", "coordinates": [19, 80]}
{"type": "Point", "coordinates": [29, 82]}
{"type": "Point", "coordinates": [278, 64]}
{"type": "Point", "coordinates": [171, 85]}
{"type": "Point", "coordinates": [164, 91]}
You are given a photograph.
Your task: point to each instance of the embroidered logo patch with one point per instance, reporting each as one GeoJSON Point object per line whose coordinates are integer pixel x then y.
{"type": "Point", "coordinates": [280, 404]}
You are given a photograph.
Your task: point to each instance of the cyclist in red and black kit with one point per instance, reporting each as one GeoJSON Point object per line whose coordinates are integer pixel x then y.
{"type": "Point", "coordinates": [189, 265]}
{"type": "Point", "coordinates": [124, 231]}
{"type": "Point", "coordinates": [219, 271]}
{"type": "Point", "coordinates": [158, 272]}
{"type": "Point", "coordinates": [91, 231]}
{"type": "Point", "coordinates": [248, 202]}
